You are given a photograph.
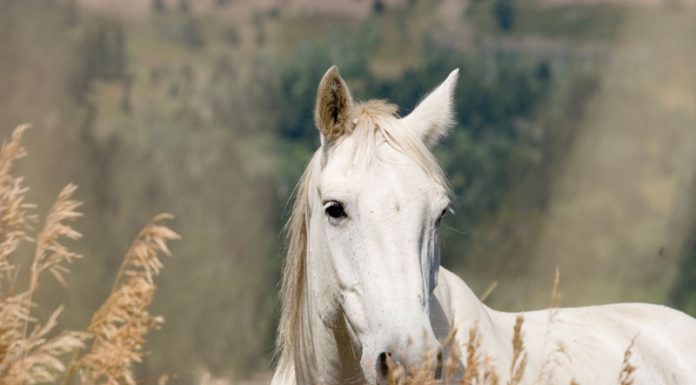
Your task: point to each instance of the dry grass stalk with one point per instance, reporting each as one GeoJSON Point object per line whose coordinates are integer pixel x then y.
{"type": "Point", "coordinates": [473, 346]}
{"type": "Point", "coordinates": [554, 360]}
{"type": "Point", "coordinates": [50, 254]}
{"type": "Point", "coordinates": [519, 355]}
{"type": "Point", "coordinates": [396, 374]}
{"type": "Point", "coordinates": [32, 352]}
{"type": "Point", "coordinates": [490, 376]}
{"type": "Point", "coordinates": [554, 290]}
{"type": "Point", "coordinates": [13, 314]}
{"type": "Point", "coordinates": [120, 325]}
{"type": "Point", "coordinates": [31, 357]}
{"type": "Point", "coordinates": [489, 290]}
{"type": "Point", "coordinates": [15, 217]}
{"type": "Point", "coordinates": [452, 362]}
{"type": "Point", "coordinates": [627, 369]}
{"type": "Point", "coordinates": [553, 304]}
{"type": "Point", "coordinates": [478, 368]}
{"type": "Point", "coordinates": [142, 259]}
{"type": "Point", "coordinates": [41, 361]}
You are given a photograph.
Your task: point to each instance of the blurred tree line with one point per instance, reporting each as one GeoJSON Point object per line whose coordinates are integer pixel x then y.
{"type": "Point", "coordinates": [219, 137]}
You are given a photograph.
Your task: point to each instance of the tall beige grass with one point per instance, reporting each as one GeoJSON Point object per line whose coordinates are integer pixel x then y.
{"type": "Point", "coordinates": [475, 366]}
{"type": "Point", "coordinates": [35, 351]}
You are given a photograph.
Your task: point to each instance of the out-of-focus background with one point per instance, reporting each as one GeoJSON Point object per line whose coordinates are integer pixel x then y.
{"type": "Point", "coordinates": [575, 145]}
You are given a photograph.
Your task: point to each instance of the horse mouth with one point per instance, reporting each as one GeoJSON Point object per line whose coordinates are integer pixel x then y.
{"type": "Point", "coordinates": [392, 372]}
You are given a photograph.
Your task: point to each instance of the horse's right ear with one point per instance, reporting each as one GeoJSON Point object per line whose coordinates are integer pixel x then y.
{"type": "Point", "coordinates": [434, 116]}
{"type": "Point", "coordinates": [334, 105]}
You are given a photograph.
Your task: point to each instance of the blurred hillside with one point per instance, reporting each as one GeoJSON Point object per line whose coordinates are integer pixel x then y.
{"type": "Point", "coordinates": [575, 144]}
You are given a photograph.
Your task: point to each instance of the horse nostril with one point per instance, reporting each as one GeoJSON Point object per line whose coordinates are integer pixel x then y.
{"type": "Point", "coordinates": [383, 364]}
{"type": "Point", "coordinates": [438, 366]}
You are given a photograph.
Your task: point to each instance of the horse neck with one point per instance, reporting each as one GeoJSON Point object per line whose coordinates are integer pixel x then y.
{"type": "Point", "coordinates": [463, 311]}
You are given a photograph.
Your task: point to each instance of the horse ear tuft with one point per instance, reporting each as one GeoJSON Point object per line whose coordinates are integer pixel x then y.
{"type": "Point", "coordinates": [334, 105]}
{"type": "Point", "coordinates": [434, 116]}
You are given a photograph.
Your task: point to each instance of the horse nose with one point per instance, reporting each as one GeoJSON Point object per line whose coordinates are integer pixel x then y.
{"type": "Point", "coordinates": [384, 361]}
{"type": "Point", "coordinates": [390, 370]}
{"type": "Point", "coordinates": [438, 365]}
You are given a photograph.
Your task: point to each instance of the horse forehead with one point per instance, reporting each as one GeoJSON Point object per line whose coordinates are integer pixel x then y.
{"type": "Point", "coordinates": [387, 170]}
{"type": "Point", "coordinates": [400, 173]}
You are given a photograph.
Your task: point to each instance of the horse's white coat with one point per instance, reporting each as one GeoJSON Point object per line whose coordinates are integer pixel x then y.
{"type": "Point", "coordinates": [371, 282]}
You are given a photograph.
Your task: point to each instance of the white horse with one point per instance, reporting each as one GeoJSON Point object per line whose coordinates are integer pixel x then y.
{"type": "Point", "coordinates": [362, 282]}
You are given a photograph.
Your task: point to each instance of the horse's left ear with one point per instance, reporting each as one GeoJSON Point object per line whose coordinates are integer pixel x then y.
{"type": "Point", "coordinates": [434, 116]}
{"type": "Point", "coordinates": [334, 105]}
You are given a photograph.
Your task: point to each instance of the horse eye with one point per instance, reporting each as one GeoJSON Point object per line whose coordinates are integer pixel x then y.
{"type": "Point", "coordinates": [334, 210]}
{"type": "Point", "coordinates": [442, 215]}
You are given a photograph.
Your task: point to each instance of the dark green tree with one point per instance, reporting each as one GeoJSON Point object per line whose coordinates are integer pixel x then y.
{"type": "Point", "coordinates": [504, 12]}
{"type": "Point", "coordinates": [378, 6]}
{"type": "Point", "coordinates": [102, 55]}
